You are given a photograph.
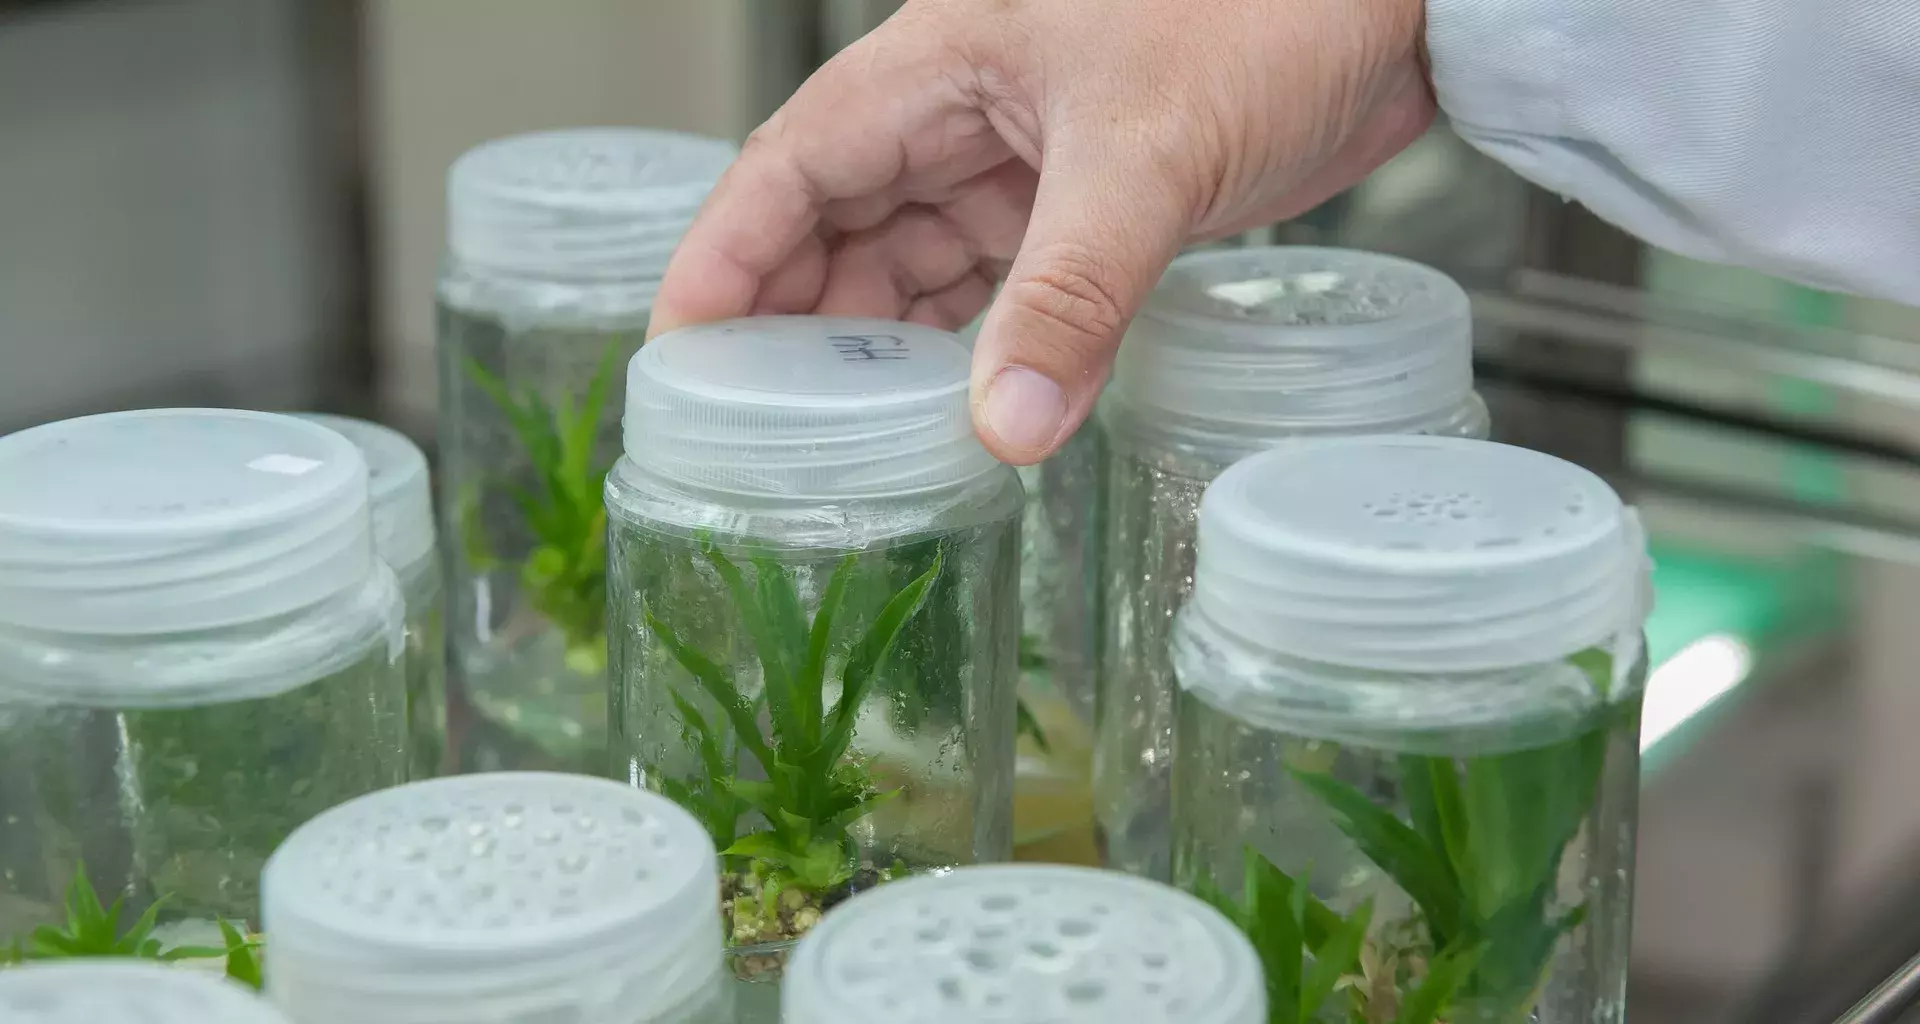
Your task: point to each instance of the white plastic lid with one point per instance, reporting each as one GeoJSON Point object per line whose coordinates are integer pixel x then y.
{"type": "Point", "coordinates": [580, 204]}
{"type": "Point", "coordinates": [401, 494]}
{"type": "Point", "coordinates": [1415, 554]}
{"type": "Point", "coordinates": [494, 897]}
{"type": "Point", "coordinates": [1024, 943]}
{"type": "Point", "coordinates": [125, 991]}
{"type": "Point", "coordinates": [170, 520]}
{"type": "Point", "coordinates": [804, 407]}
{"type": "Point", "coordinates": [1241, 347]}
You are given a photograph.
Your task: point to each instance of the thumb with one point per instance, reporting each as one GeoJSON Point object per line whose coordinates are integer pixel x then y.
{"type": "Point", "coordinates": [1104, 227]}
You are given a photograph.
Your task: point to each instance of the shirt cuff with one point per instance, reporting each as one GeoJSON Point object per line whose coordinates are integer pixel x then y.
{"type": "Point", "coordinates": [1498, 65]}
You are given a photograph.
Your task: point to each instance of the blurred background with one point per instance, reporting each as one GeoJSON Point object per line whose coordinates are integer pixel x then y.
{"type": "Point", "coordinates": [239, 202]}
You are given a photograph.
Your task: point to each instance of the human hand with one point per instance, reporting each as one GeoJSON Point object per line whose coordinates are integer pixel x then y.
{"type": "Point", "coordinates": [1069, 147]}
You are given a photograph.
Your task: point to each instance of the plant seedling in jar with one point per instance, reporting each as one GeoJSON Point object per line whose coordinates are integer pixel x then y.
{"type": "Point", "coordinates": [1479, 853]}
{"type": "Point", "coordinates": [797, 856]}
{"type": "Point", "coordinates": [565, 575]}
{"type": "Point", "coordinates": [93, 930]}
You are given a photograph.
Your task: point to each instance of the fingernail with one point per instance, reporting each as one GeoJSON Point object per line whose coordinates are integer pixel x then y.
{"type": "Point", "coordinates": [1024, 409]}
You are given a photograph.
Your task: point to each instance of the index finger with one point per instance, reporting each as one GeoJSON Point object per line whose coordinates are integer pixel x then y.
{"type": "Point", "coordinates": [759, 212]}
{"type": "Point", "coordinates": [850, 132]}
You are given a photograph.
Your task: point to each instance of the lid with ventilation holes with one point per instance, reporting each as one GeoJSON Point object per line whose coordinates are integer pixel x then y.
{"type": "Point", "coordinates": [122, 991]}
{"type": "Point", "coordinates": [1238, 348]}
{"type": "Point", "coordinates": [827, 408]}
{"type": "Point", "coordinates": [501, 896]}
{"type": "Point", "coordinates": [1023, 943]}
{"type": "Point", "coordinates": [1415, 554]}
{"type": "Point", "coordinates": [579, 204]}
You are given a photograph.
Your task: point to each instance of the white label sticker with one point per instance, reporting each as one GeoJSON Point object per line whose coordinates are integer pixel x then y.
{"type": "Point", "coordinates": [285, 465]}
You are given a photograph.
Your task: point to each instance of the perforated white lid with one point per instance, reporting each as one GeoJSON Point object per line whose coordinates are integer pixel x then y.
{"type": "Point", "coordinates": [168, 520]}
{"type": "Point", "coordinates": [804, 407]}
{"type": "Point", "coordinates": [1416, 554]}
{"type": "Point", "coordinates": [1024, 943]}
{"type": "Point", "coordinates": [125, 991]}
{"type": "Point", "coordinates": [494, 897]}
{"type": "Point", "coordinates": [401, 493]}
{"type": "Point", "coordinates": [580, 204]}
{"type": "Point", "coordinates": [1241, 347]}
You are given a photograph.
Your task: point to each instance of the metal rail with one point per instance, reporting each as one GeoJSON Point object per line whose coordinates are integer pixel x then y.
{"type": "Point", "coordinates": [1889, 1003]}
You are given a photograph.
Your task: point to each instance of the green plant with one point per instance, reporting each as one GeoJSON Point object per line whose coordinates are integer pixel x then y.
{"type": "Point", "coordinates": [565, 575]}
{"type": "Point", "coordinates": [1032, 659]}
{"type": "Point", "coordinates": [1480, 853]}
{"type": "Point", "coordinates": [1318, 963]}
{"type": "Point", "coordinates": [93, 930]}
{"type": "Point", "coordinates": [813, 791]}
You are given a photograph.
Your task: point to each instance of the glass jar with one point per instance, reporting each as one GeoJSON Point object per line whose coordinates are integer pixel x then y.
{"type": "Point", "coordinates": [1029, 942]}
{"type": "Point", "coordinates": [556, 242]}
{"type": "Point", "coordinates": [124, 991]}
{"type": "Point", "coordinates": [403, 537]}
{"type": "Point", "coordinates": [199, 651]}
{"type": "Point", "coordinates": [1411, 676]}
{"type": "Point", "coordinates": [1059, 651]}
{"type": "Point", "coordinates": [1059, 648]}
{"type": "Point", "coordinates": [1236, 351]}
{"type": "Point", "coordinates": [815, 598]}
{"type": "Point", "coordinates": [507, 896]}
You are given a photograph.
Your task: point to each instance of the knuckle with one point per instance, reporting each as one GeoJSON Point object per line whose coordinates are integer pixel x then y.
{"type": "Point", "coordinates": [1076, 291]}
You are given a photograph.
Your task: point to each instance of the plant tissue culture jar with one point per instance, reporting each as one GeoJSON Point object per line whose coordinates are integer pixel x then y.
{"type": "Point", "coordinates": [817, 615]}
{"type": "Point", "coordinates": [1411, 676]}
{"type": "Point", "coordinates": [504, 896]}
{"type": "Point", "coordinates": [1237, 351]}
{"type": "Point", "coordinates": [1028, 942]}
{"type": "Point", "coordinates": [1059, 649]}
{"type": "Point", "coordinates": [556, 243]}
{"type": "Point", "coordinates": [125, 991]}
{"type": "Point", "coordinates": [199, 650]}
{"type": "Point", "coordinates": [403, 537]}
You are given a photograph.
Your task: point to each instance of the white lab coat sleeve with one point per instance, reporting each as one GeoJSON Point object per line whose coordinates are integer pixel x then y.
{"type": "Point", "coordinates": [1781, 135]}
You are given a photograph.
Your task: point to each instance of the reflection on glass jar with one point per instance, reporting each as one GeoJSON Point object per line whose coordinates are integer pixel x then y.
{"type": "Point", "coordinates": [816, 613]}
{"type": "Point", "coordinates": [1411, 676]}
{"type": "Point", "coordinates": [1238, 351]}
{"type": "Point", "coordinates": [556, 244]}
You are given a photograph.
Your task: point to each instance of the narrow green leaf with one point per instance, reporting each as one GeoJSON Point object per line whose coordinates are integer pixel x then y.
{"type": "Point", "coordinates": [786, 627]}
{"type": "Point", "coordinates": [776, 682]}
{"type": "Point", "coordinates": [585, 429]}
{"type": "Point", "coordinates": [48, 941]}
{"type": "Point", "coordinates": [761, 796]}
{"type": "Point", "coordinates": [179, 953]}
{"type": "Point", "coordinates": [106, 927]}
{"type": "Point", "coordinates": [764, 846]}
{"type": "Point", "coordinates": [494, 388]}
{"type": "Point", "coordinates": [864, 660]}
{"type": "Point", "coordinates": [1432, 789]}
{"type": "Point", "coordinates": [1397, 849]}
{"type": "Point", "coordinates": [1433, 995]}
{"type": "Point", "coordinates": [1333, 958]}
{"type": "Point", "coordinates": [719, 686]}
{"type": "Point", "coordinates": [243, 965]}
{"type": "Point", "coordinates": [1025, 724]}
{"type": "Point", "coordinates": [84, 912]}
{"type": "Point", "coordinates": [1274, 915]}
{"type": "Point", "coordinates": [1597, 666]}
{"type": "Point", "coordinates": [861, 808]}
{"type": "Point", "coordinates": [135, 936]}
{"type": "Point", "coordinates": [813, 671]}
